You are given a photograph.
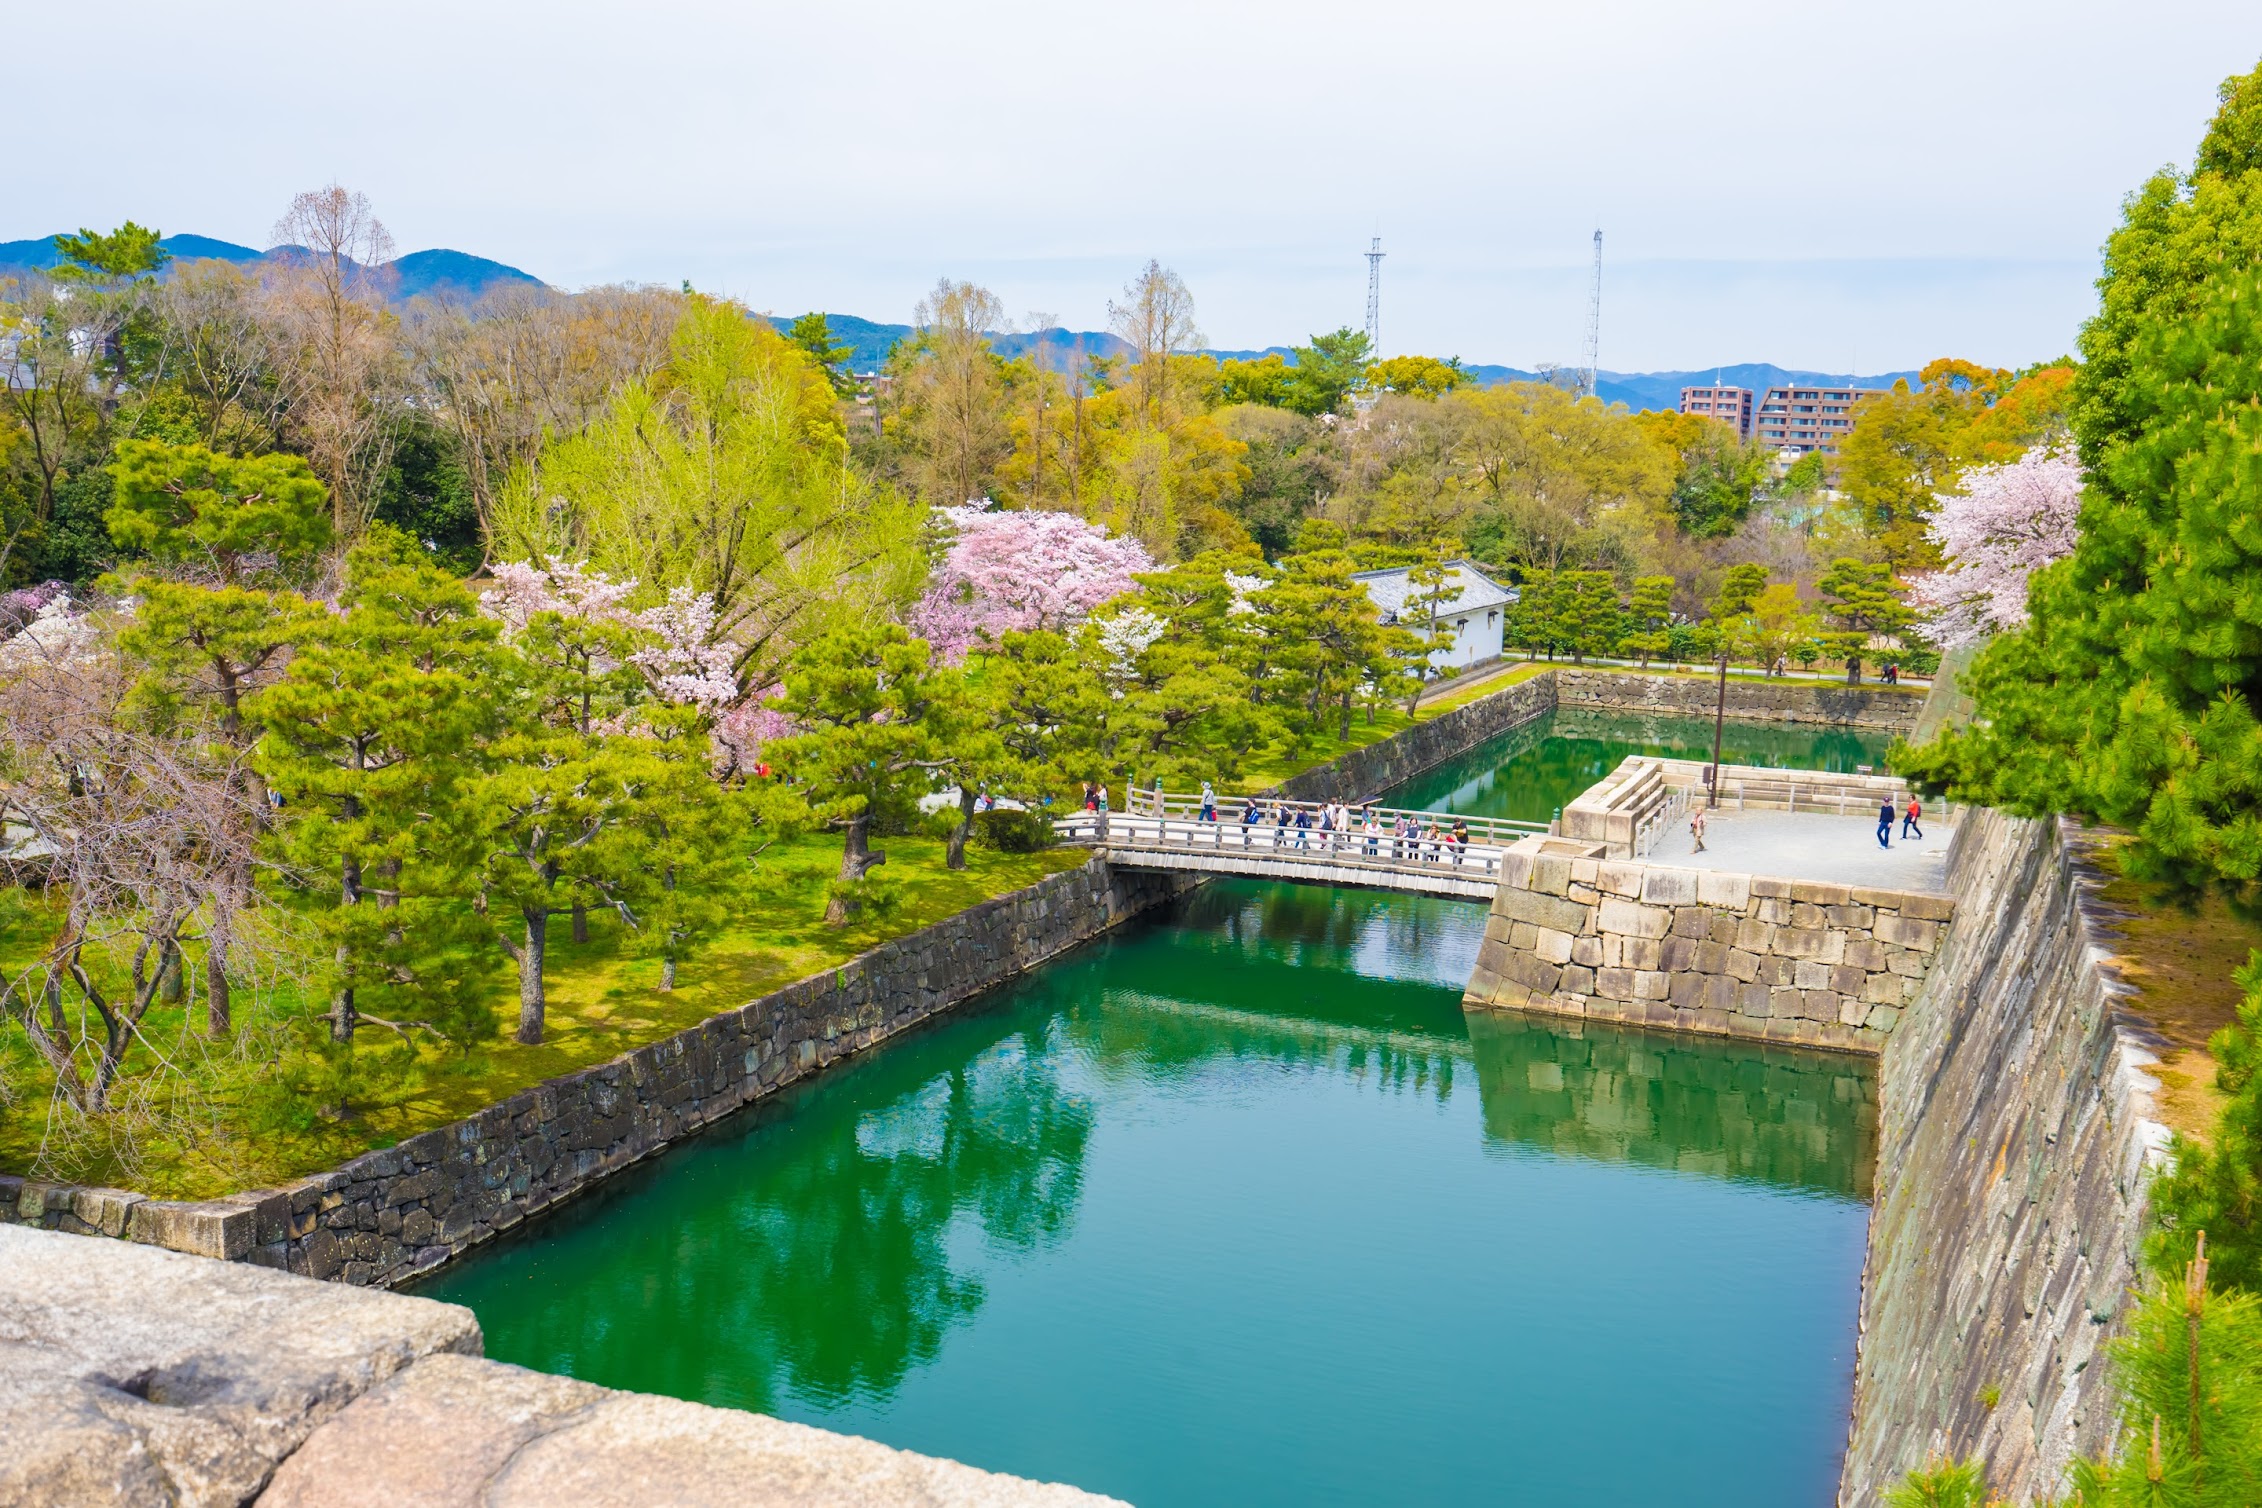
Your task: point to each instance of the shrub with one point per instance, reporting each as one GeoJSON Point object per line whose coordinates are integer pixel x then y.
{"type": "Point", "coordinates": [1007, 830]}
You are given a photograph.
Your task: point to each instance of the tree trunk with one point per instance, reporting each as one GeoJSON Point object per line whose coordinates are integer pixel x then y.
{"type": "Point", "coordinates": [580, 922]}
{"type": "Point", "coordinates": [857, 856]}
{"type": "Point", "coordinates": [170, 974]}
{"type": "Point", "coordinates": [219, 1019]}
{"type": "Point", "coordinates": [954, 857]}
{"type": "Point", "coordinates": [530, 960]}
{"type": "Point", "coordinates": [342, 1014]}
{"type": "Point", "coordinates": [1343, 727]}
{"type": "Point", "coordinates": [667, 967]}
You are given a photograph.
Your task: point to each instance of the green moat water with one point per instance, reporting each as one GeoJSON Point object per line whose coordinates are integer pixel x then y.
{"type": "Point", "coordinates": [1237, 1206]}
{"type": "Point", "coordinates": [1531, 772]}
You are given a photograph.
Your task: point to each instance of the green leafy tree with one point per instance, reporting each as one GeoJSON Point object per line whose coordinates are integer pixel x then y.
{"type": "Point", "coordinates": [1327, 371]}
{"type": "Point", "coordinates": [1733, 625]}
{"type": "Point", "coordinates": [861, 697]}
{"type": "Point", "coordinates": [1262, 380]}
{"type": "Point", "coordinates": [1419, 376]}
{"type": "Point", "coordinates": [580, 802]}
{"type": "Point", "coordinates": [726, 474]}
{"type": "Point", "coordinates": [1862, 602]}
{"type": "Point", "coordinates": [813, 334]}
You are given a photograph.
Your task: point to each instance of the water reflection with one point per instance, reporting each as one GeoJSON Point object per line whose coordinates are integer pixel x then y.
{"type": "Point", "coordinates": [834, 1264]}
{"type": "Point", "coordinates": [1688, 1104]}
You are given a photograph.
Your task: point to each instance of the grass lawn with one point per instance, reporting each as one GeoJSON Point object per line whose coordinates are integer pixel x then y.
{"type": "Point", "coordinates": [603, 1001]}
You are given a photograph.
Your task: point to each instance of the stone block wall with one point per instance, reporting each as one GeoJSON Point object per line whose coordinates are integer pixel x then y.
{"type": "Point", "coordinates": [2017, 1135]}
{"type": "Point", "coordinates": [389, 1214]}
{"type": "Point", "coordinates": [1885, 708]}
{"type": "Point", "coordinates": [1774, 960]}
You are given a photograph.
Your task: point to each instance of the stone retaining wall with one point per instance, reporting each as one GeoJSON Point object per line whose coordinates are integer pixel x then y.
{"type": "Point", "coordinates": [390, 1214]}
{"type": "Point", "coordinates": [1891, 709]}
{"type": "Point", "coordinates": [2017, 1135]}
{"type": "Point", "coordinates": [1794, 961]}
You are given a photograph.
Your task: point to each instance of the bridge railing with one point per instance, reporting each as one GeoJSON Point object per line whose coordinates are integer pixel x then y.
{"type": "Point", "coordinates": [1175, 822]}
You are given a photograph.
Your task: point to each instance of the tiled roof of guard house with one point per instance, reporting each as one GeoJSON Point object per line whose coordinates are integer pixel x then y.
{"type": "Point", "coordinates": [1391, 588]}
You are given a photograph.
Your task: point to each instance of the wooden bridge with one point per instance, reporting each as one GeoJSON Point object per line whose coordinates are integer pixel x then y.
{"type": "Point", "coordinates": [1167, 832]}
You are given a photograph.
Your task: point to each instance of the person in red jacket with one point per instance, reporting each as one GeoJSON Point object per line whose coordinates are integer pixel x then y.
{"type": "Point", "coordinates": [1908, 818]}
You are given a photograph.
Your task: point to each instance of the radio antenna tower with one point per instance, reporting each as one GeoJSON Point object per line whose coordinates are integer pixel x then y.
{"type": "Point", "coordinates": [1594, 316]}
{"type": "Point", "coordinates": [1374, 300]}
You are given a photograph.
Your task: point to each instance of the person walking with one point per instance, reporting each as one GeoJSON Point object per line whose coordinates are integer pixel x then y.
{"type": "Point", "coordinates": [1460, 840]}
{"type": "Point", "coordinates": [1209, 803]}
{"type": "Point", "coordinates": [1885, 824]}
{"type": "Point", "coordinates": [1909, 818]}
{"type": "Point", "coordinates": [1696, 829]}
{"type": "Point", "coordinates": [1251, 815]}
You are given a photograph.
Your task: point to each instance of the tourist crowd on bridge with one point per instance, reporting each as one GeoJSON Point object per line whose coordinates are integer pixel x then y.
{"type": "Point", "coordinates": [1330, 827]}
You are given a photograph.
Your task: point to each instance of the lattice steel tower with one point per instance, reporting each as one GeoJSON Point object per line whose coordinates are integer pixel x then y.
{"type": "Point", "coordinates": [1594, 317]}
{"type": "Point", "coordinates": [1374, 300]}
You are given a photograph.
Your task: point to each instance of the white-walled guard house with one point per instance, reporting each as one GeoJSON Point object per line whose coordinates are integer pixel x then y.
{"type": "Point", "coordinates": [1476, 619]}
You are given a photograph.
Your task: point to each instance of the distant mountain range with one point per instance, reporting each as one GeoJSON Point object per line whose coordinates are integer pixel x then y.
{"type": "Point", "coordinates": [458, 274]}
{"type": "Point", "coordinates": [440, 271]}
{"type": "Point", "coordinates": [1639, 391]}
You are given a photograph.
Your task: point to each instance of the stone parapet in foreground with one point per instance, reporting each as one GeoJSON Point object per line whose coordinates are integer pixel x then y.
{"type": "Point", "coordinates": [391, 1214]}
{"type": "Point", "coordinates": [131, 1376]}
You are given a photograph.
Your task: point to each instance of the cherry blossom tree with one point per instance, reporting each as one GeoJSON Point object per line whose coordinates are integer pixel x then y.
{"type": "Point", "coordinates": [678, 646]}
{"type": "Point", "coordinates": [2007, 522]}
{"type": "Point", "coordinates": [1020, 570]}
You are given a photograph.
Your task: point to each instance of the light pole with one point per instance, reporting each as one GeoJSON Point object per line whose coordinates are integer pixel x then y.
{"type": "Point", "coordinates": [1719, 716]}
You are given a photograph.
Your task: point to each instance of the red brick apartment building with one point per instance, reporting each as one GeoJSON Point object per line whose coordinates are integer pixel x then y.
{"type": "Point", "coordinates": [1802, 419]}
{"type": "Point", "coordinates": [1730, 405]}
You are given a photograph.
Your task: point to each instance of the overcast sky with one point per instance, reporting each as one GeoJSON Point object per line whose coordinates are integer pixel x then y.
{"type": "Point", "coordinates": [1822, 185]}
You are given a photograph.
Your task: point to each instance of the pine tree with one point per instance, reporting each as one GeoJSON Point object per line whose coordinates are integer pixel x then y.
{"type": "Point", "coordinates": [367, 739]}
{"type": "Point", "coordinates": [861, 697]}
{"type": "Point", "coordinates": [1863, 602]}
{"type": "Point", "coordinates": [1649, 616]}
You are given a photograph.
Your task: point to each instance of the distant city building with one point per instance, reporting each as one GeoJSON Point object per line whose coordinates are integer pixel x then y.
{"type": "Point", "coordinates": [1802, 419]}
{"type": "Point", "coordinates": [1730, 405]}
{"type": "Point", "coordinates": [1476, 619]}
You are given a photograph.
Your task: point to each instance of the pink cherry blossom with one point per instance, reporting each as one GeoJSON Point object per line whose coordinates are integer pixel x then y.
{"type": "Point", "coordinates": [1025, 569]}
{"type": "Point", "coordinates": [523, 589]}
{"type": "Point", "coordinates": [2006, 523]}
{"type": "Point", "coordinates": [684, 661]}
